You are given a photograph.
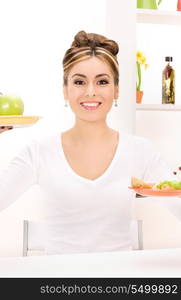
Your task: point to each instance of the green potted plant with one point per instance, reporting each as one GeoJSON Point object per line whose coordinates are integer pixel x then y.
{"type": "Point", "coordinates": [148, 4]}
{"type": "Point", "coordinates": [140, 63]}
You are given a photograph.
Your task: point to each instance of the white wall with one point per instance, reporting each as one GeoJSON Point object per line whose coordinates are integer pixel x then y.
{"type": "Point", "coordinates": [168, 5]}
{"type": "Point", "coordinates": [121, 20]}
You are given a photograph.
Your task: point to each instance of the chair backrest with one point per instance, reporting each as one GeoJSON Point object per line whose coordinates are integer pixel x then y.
{"type": "Point", "coordinates": [33, 237]}
{"type": "Point", "coordinates": [136, 230]}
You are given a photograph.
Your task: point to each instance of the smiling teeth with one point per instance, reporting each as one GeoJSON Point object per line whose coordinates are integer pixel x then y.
{"type": "Point", "coordinates": [90, 104]}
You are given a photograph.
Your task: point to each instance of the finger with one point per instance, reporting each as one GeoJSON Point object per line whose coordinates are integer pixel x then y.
{"type": "Point", "coordinates": [5, 128]}
{"type": "Point", "coordinates": [2, 130]}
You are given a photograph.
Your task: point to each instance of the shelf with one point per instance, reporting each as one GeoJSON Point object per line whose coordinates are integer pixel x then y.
{"type": "Point", "coordinates": [155, 16]}
{"type": "Point", "coordinates": [158, 107]}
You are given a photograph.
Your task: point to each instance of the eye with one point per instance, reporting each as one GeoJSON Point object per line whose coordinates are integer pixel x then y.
{"type": "Point", "coordinates": [103, 82]}
{"type": "Point", "coordinates": [79, 82]}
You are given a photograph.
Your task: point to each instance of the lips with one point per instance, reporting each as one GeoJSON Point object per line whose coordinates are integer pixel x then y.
{"type": "Point", "coordinates": [90, 105]}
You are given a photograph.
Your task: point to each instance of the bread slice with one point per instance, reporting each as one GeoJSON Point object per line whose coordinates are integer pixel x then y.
{"type": "Point", "coordinates": [137, 183]}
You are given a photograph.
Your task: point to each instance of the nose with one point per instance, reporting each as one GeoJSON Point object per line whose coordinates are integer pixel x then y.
{"type": "Point", "coordinates": [90, 91]}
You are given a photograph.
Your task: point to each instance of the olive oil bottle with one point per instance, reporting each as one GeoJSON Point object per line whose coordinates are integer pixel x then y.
{"type": "Point", "coordinates": [168, 83]}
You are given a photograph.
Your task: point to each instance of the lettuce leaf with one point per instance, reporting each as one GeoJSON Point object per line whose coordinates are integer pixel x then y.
{"type": "Point", "coordinates": [176, 185]}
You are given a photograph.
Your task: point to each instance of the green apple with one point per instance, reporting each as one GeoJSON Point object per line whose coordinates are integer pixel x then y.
{"type": "Point", "coordinates": [11, 105]}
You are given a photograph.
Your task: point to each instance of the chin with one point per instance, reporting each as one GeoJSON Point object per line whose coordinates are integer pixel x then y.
{"type": "Point", "coordinates": [92, 118]}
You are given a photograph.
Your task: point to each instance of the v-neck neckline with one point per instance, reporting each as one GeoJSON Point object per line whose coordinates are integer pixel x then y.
{"type": "Point", "coordinates": [84, 179]}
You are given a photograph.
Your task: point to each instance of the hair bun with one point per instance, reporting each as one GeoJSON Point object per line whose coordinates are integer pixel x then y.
{"type": "Point", "coordinates": [111, 46]}
{"type": "Point", "coordinates": [83, 39]}
{"type": "Point", "coordinates": [80, 39]}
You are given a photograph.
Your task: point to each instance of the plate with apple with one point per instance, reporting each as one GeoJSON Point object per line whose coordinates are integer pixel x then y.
{"type": "Point", "coordinates": [11, 112]}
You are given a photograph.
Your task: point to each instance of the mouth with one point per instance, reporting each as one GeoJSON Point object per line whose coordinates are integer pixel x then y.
{"type": "Point", "coordinates": [90, 105]}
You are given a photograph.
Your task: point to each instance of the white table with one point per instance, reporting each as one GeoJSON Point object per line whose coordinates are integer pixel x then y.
{"type": "Point", "coordinates": [141, 263]}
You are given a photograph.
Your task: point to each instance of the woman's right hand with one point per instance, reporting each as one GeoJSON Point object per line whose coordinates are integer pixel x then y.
{"type": "Point", "coordinates": [5, 128]}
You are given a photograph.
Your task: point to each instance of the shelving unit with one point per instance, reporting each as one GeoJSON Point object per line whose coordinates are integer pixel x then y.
{"type": "Point", "coordinates": [160, 122]}
{"type": "Point", "coordinates": [158, 107]}
{"type": "Point", "coordinates": [155, 16]}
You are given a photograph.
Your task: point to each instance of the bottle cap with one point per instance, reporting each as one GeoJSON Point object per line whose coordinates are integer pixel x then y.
{"type": "Point", "coordinates": [168, 58]}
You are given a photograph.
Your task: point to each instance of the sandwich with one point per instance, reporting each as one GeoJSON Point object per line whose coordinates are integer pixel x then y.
{"type": "Point", "coordinates": [137, 183]}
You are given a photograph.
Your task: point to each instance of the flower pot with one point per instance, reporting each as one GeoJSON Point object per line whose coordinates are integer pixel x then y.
{"type": "Point", "coordinates": [139, 96]}
{"type": "Point", "coordinates": [179, 5]}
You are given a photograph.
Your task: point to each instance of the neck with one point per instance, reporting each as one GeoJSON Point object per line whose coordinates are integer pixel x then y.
{"type": "Point", "coordinates": [90, 132]}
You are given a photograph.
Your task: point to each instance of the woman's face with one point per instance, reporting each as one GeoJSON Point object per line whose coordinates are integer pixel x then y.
{"type": "Point", "coordinates": [90, 89]}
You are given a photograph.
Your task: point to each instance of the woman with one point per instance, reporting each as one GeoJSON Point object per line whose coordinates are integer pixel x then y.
{"type": "Point", "coordinates": [85, 171]}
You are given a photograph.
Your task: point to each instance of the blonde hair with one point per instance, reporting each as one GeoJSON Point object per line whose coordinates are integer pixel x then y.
{"type": "Point", "coordinates": [86, 45]}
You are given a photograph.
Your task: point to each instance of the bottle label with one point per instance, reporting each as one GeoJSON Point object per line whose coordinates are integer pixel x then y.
{"type": "Point", "coordinates": [168, 85]}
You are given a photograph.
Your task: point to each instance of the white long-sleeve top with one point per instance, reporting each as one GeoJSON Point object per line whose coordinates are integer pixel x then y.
{"type": "Point", "coordinates": [83, 215]}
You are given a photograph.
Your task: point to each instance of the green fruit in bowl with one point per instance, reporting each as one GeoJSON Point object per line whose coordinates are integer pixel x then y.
{"type": "Point", "coordinates": [11, 105]}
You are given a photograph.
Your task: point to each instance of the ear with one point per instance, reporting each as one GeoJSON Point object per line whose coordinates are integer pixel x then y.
{"type": "Point", "coordinates": [65, 92]}
{"type": "Point", "coordinates": [116, 92]}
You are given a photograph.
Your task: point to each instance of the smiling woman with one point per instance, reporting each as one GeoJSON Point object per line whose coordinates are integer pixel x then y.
{"type": "Point", "coordinates": [85, 172]}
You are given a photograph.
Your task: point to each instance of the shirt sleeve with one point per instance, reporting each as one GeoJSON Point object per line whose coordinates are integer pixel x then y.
{"type": "Point", "coordinates": [19, 175]}
{"type": "Point", "coordinates": [156, 169]}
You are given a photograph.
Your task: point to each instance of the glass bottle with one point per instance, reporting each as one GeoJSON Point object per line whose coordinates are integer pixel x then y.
{"type": "Point", "coordinates": [168, 83]}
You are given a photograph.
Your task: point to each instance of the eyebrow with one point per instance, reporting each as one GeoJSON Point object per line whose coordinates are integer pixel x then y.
{"type": "Point", "coordinates": [82, 75]}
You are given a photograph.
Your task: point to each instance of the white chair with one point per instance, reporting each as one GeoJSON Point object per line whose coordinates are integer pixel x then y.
{"type": "Point", "coordinates": [33, 237]}
{"type": "Point", "coordinates": [136, 230]}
